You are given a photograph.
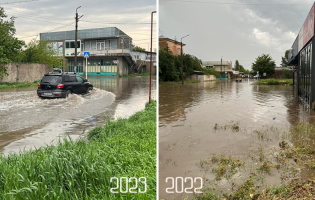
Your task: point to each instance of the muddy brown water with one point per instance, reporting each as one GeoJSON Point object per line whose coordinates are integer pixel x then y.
{"type": "Point", "coordinates": [28, 122]}
{"type": "Point", "coordinates": [188, 140]}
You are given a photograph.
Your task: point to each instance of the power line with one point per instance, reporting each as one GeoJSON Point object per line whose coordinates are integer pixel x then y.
{"type": "Point", "coordinates": [241, 4]}
{"type": "Point", "coordinates": [32, 16]}
{"type": "Point", "coordinates": [40, 20]}
{"type": "Point", "coordinates": [50, 31]}
{"type": "Point", "coordinates": [102, 22]}
{"type": "Point", "coordinates": [18, 2]}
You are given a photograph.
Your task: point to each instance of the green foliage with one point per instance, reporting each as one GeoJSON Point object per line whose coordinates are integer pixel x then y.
{"type": "Point", "coordinates": [9, 45]}
{"type": "Point", "coordinates": [287, 74]}
{"type": "Point", "coordinates": [37, 51]}
{"type": "Point", "coordinates": [137, 48]}
{"type": "Point", "coordinates": [82, 170]}
{"type": "Point", "coordinates": [3, 71]}
{"type": "Point", "coordinates": [211, 71]}
{"type": "Point", "coordinates": [284, 60]}
{"type": "Point", "coordinates": [237, 66]}
{"type": "Point", "coordinates": [167, 69]}
{"type": "Point", "coordinates": [16, 85]}
{"type": "Point", "coordinates": [274, 82]}
{"type": "Point", "coordinates": [264, 64]}
{"type": "Point", "coordinates": [170, 65]}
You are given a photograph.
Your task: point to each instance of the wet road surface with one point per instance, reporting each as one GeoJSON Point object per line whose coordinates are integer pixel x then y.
{"type": "Point", "coordinates": [28, 122]}
{"type": "Point", "coordinates": [208, 121]}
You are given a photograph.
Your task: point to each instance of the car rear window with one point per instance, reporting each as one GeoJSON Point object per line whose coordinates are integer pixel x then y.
{"type": "Point", "coordinates": [70, 79]}
{"type": "Point", "coordinates": [51, 79]}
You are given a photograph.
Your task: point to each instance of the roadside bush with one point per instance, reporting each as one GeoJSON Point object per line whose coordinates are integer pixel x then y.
{"type": "Point", "coordinates": [272, 82]}
{"type": "Point", "coordinates": [287, 74]}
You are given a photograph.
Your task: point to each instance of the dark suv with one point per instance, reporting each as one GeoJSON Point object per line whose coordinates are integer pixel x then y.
{"type": "Point", "coordinates": [55, 84]}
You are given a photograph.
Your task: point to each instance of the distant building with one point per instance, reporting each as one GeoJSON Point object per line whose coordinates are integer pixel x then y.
{"type": "Point", "coordinates": [225, 68]}
{"type": "Point", "coordinates": [173, 45]}
{"type": "Point", "coordinates": [111, 51]}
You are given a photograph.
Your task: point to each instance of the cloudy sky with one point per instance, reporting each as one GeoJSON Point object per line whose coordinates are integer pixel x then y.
{"type": "Point", "coordinates": [38, 16]}
{"type": "Point", "coordinates": [234, 29]}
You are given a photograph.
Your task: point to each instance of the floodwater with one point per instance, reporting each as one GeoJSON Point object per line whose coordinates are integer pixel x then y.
{"type": "Point", "coordinates": [28, 122]}
{"type": "Point", "coordinates": [202, 122]}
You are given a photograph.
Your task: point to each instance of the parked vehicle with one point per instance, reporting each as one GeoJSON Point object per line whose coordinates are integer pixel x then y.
{"type": "Point", "coordinates": [56, 84]}
{"type": "Point", "coordinates": [256, 76]}
{"type": "Point", "coordinates": [238, 80]}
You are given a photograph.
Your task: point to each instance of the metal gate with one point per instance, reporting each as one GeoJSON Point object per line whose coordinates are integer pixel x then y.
{"type": "Point", "coordinates": [79, 66]}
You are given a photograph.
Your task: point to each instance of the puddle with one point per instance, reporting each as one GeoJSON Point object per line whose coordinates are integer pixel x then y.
{"type": "Point", "coordinates": [28, 122]}
{"type": "Point", "coordinates": [250, 120]}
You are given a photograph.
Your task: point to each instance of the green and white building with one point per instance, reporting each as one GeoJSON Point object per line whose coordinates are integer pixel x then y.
{"type": "Point", "coordinates": [111, 51]}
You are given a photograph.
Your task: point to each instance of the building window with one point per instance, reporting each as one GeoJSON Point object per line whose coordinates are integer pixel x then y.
{"type": "Point", "coordinates": [178, 49]}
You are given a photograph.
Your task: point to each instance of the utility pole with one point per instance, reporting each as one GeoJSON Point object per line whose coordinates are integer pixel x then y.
{"type": "Point", "coordinates": [76, 38]}
{"type": "Point", "coordinates": [151, 55]}
{"type": "Point", "coordinates": [181, 55]}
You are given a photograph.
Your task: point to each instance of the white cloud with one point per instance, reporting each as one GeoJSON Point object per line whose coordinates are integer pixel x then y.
{"type": "Point", "coordinates": [265, 38]}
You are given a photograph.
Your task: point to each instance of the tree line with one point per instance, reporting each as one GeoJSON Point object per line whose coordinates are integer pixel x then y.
{"type": "Point", "coordinates": [170, 66]}
{"type": "Point", "coordinates": [14, 50]}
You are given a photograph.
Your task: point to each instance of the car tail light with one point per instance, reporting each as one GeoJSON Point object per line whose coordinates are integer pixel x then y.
{"type": "Point", "coordinates": [38, 84]}
{"type": "Point", "coordinates": [60, 86]}
{"type": "Point", "coordinates": [38, 94]}
{"type": "Point", "coordinates": [56, 95]}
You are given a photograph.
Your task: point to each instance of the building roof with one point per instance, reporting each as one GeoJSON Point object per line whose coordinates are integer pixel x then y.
{"type": "Point", "coordinates": [213, 63]}
{"type": "Point", "coordinates": [162, 38]}
{"type": "Point", "coordinates": [84, 34]}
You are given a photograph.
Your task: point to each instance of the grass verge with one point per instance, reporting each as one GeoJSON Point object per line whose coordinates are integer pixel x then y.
{"type": "Point", "coordinates": [303, 153]}
{"type": "Point", "coordinates": [82, 170]}
{"type": "Point", "coordinates": [15, 85]}
{"type": "Point", "coordinates": [273, 81]}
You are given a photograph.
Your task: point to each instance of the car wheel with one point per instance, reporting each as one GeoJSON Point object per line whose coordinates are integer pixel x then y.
{"type": "Point", "coordinates": [68, 93]}
{"type": "Point", "coordinates": [89, 89]}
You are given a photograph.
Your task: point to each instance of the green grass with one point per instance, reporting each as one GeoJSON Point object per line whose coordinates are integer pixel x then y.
{"type": "Point", "coordinates": [274, 82]}
{"type": "Point", "coordinates": [15, 85]}
{"type": "Point", "coordinates": [82, 170]}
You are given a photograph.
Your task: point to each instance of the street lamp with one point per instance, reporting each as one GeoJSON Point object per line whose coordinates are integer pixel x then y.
{"type": "Point", "coordinates": [151, 56]}
{"type": "Point", "coordinates": [181, 55]}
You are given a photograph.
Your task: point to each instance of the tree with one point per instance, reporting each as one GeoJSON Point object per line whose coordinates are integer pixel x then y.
{"type": "Point", "coordinates": [211, 71]}
{"type": "Point", "coordinates": [37, 51]}
{"type": "Point", "coordinates": [284, 61]}
{"type": "Point", "coordinates": [170, 65]}
{"type": "Point", "coordinates": [264, 64]}
{"type": "Point", "coordinates": [9, 45]}
{"type": "Point", "coordinates": [137, 48]}
{"type": "Point", "coordinates": [238, 67]}
{"type": "Point", "coordinates": [167, 69]}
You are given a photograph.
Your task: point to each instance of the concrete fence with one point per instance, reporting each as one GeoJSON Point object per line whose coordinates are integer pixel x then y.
{"type": "Point", "coordinates": [24, 72]}
{"type": "Point", "coordinates": [202, 78]}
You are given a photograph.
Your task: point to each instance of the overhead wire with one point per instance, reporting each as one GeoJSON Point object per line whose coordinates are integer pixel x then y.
{"type": "Point", "coordinates": [49, 31]}
{"type": "Point", "coordinates": [27, 1]}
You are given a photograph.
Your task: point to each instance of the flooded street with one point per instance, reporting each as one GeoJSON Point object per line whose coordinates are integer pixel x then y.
{"type": "Point", "coordinates": [28, 122]}
{"type": "Point", "coordinates": [203, 125]}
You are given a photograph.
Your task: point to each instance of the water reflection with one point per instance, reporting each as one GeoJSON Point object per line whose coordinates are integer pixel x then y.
{"type": "Point", "coordinates": [189, 113]}
{"type": "Point", "coordinates": [27, 121]}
